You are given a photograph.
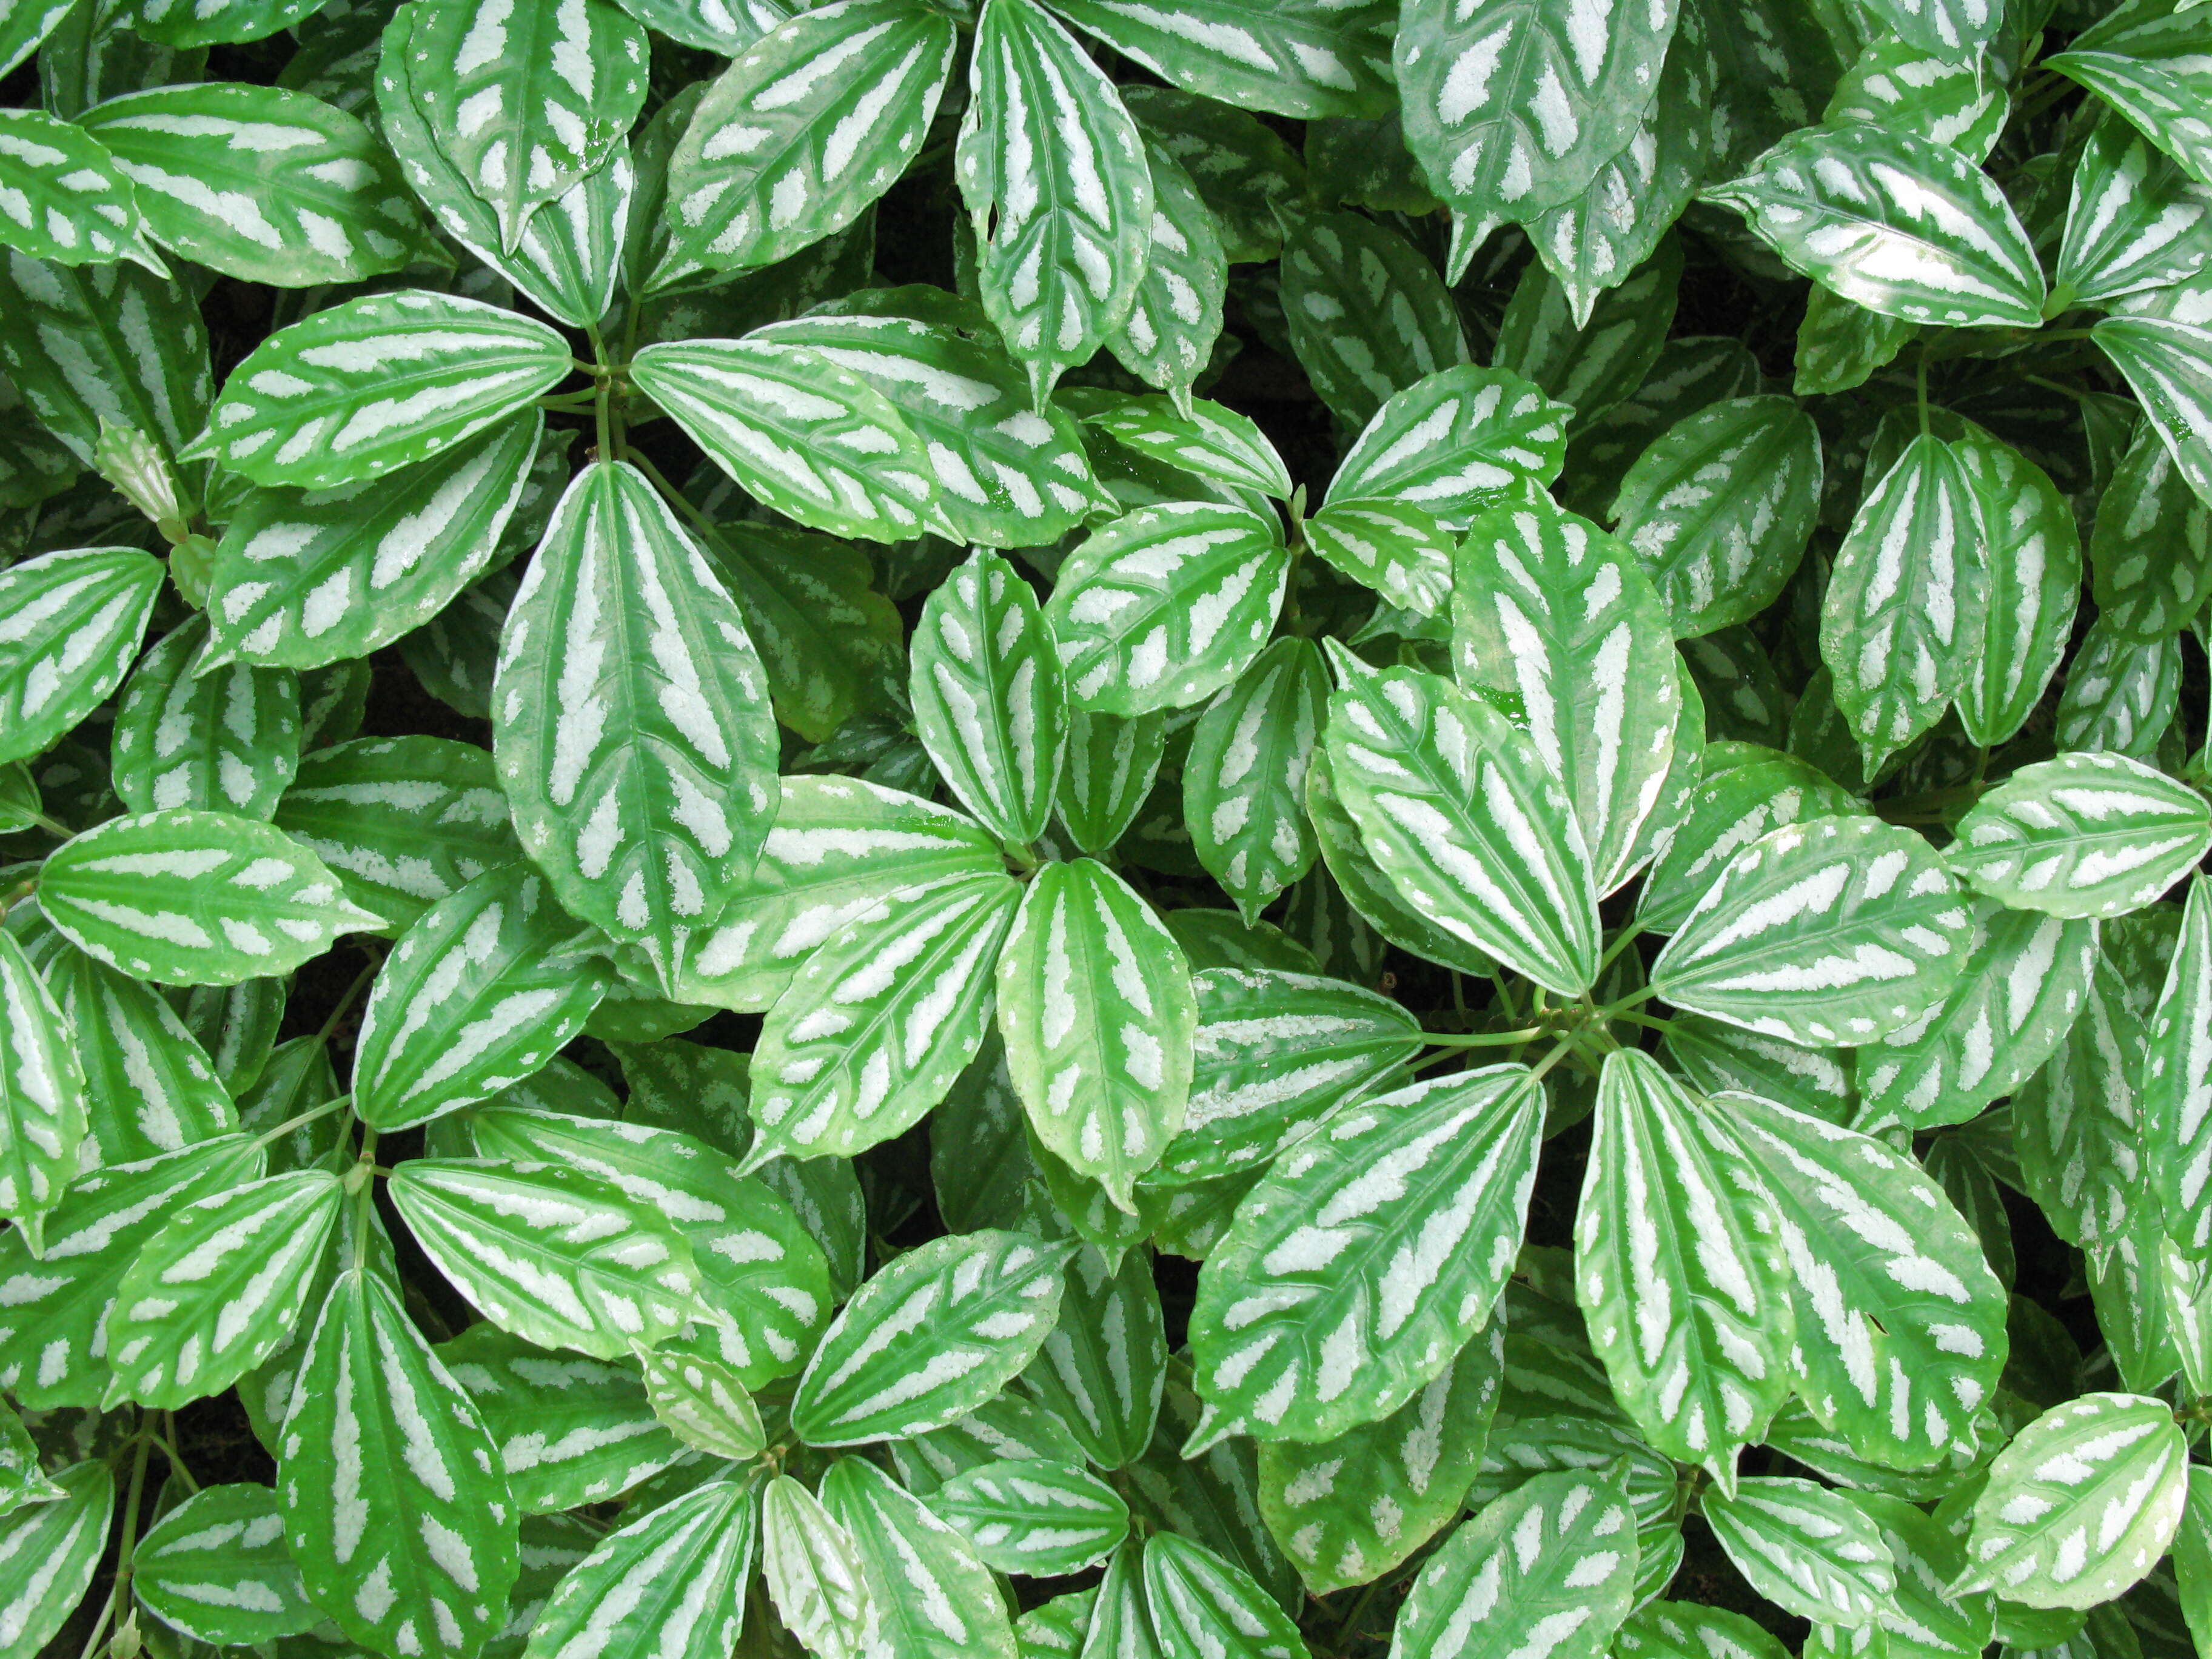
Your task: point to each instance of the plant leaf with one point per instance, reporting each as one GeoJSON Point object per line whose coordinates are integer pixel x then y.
{"type": "Point", "coordinates": [48, 1552]}
{"type": "Point", "coordinates": [1102, 1369]}
{"type": "Point", "coordinates": [43, 1113]}
{"type": "Point", "coordinates": [2081, 836]}
{"type": "Point", "coordinates": [73, 205]}
{"type": "Point", "coordinates": [2168, 365]}
{"type": "Point", "coordinates": [1367, 314]}
{"type": "Point", "coordinates": [2176, 1086]}
{"type": "Point", "coordinates": [75, 621]}
{"type": "Point", "coordinates": [1400, 551]}
{"type": "Point", "coordinates": [2134, 221]}
{"type": "Point", "coordinates": [1244, 776]}
{"type": "Point", "coordinates": [1807, 1548]}
{"type": "Point", "coordinates": [1724, 813]}
{"type": "Point", "coordinates": [937, 1597]}
{"type": "Point", "coordinates": [2028, 574]}
{"type": "Point", "coordinates": [1201, 1603]}
{"type": "Point", "coordinates": [1454, 443]}
{"type": "Point", "coordinates": [671, 1583]}
{"type": "Point", "coordinates": [215, 1568]}
{"type": "Point", "coordinates": [1304, 58]}
{"type": "Point", "coordinates": [814, 1577]}
{"type": "Point", "coordinates": [224, 738]}
{"type": "Point", "coordinates": [1034, 1517]}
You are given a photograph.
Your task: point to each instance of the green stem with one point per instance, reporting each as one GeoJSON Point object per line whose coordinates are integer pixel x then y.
{"type": "Point", "coordinates": [670, 493]}
{"type": "Point", "coordinates": [269, 1136]}
{"type": "Point", "coordinates": [1628, 937]}
{"type": "Point", "coordinates": [1629, 1001]}
{"type": "Point", "coordinates": [345, 1002]}
{"type": "Point", "coordinates": [118, 1598]}
{"type": "Point", "coordinates": [1482, 1039]}
{"type": "Point", "coordinates": [1920, 389]}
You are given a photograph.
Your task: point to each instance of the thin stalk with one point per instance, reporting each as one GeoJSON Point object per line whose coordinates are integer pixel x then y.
{"type": "Point", "coordinates": [269, 1136]}
{"type": "Point", "coordinates": [1629, 935]}
{"type": "Point", "coordinates": [345, 1002]}
{"type": "Point", "coordinates": [1482, 1039]}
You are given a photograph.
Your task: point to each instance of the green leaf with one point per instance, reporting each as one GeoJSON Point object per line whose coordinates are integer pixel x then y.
{"type": "Point", "coordinates": [1107, 774]}
{"type": "Point", "coordinates": [2151, 550]}
{"type": "Point", "coordinates": [671, 1583]}
{"type": "Point", "coordinates": [2168, 365]}
{"type": "Point", "coordinates": [220, 1289]}
{"type": "Point", "coordinates": [43, 1113]}
{"type": "Point", "coordinates": [937, 1598]}
{"type": "Point", "coordinates": [1400, 551]}
{"type": "Point", "coordinates": [1553, 617]}
{"type": "Point", "coordinates": [704, 1401]}
{"type": "Point", "coordinates": [482, 989]}
{"type": "Point", "coordinates": [333, 210]}
{"type": "Point", "coordinates": [1369, 1255]}
{"type": "Point", "coordinates": [879, 1020]}
{"type": "Point", "coordinates": [802, 435]}
{"type": "Point", "coordinates": [1522, 1447]}
{"type": "Point", "coordinates": [838, 847]}
{"type": "Point", "coordinates": [2015, 998]}
{"type": "Point", "coordinates": [68, 200]}
{"type": "Point", "coordinates": [2176, 1101]}
{"type": "Point", "coordinates": [48, 1552]}
{"type": "Point", "coordinates": [2076, 1124]}
{"type": "Point", "coordinates": [1349, 1510]}
{"type": "Point", "coordinates": [1830, 933]}
{"type": "Point", "coordinates": [814, 1577]}
{"type": "Point", "coordinates": [1367, 314]}
{"type": "Point", "coordinates": [377, 384]}
{"type": "Point", "coordinates": [1680, 1271]}
{"type": "Point", "coordinates": [74, 619]}
{"type": "Point", "coordinates": [307, 577]}
{"type": "Point", "coordinates": [1199, 1603]}
{"type": "Point", "coordinates": [559, 1256]}
{"type": "Point", "coordinates": [1036, 1518]}
{"type": "Point", "coordinates": [187, 897]}
{"type": "Point", "coordinates": [1724, 813]}
{"type": "Point", "coordinates": [1166, 605]}
{"type": "Point", "coordinates": [1007, 476]}
{"type": "Point", "coordinates": [1950, 30]}
{"type": "Point", "coordinates": [1172, 328]}
{"type": "Point", "coordinates": [1244, 777]}
{"type": "Point", "coordinates": [24, 25]}
{"type": "Point", "coordinates": [930, 1337]}
{"type": "Point", "coordinates": [1590, 364]}
{"type": "Point", "coordinates": [1100, 1371]}
{"type": "Point", "coordinates": [631, 719]}
{"type": "Point", "coordinates": [1008, 1425]}
{"type": "Point", "coordinates": [1900, 1325]}
{"type": "Point", "coordinates": [1465, 819]}
{"type": "Point", "coordinates": [2028, 574]}
{"type": "Point", "coordinates": [1900, 224]}
{"type": "Point", "coordinates": [403, 823]}
{"type": "Point", "coordinates": [209, 22]}
{"type": "Point", "coordinates": [1304, 58]}
{"type": "Point", "coordinates": [1211, 441]}
{"type": "Point", "coordinates": [215, 1568]}
{"type": "Point", "coordinates": [1691, 1630]}
{"type": "Point", "coordinates": [567, 1430]}
{"type": "Point", "coordinates": [1942, 95]}
{"type": "Point", "coordinates": [524, 104]}
{"type": "Point", "coordinates": [716, 26]}
{"type": "Point", "coordinates": [2081, 836]}
{"type": "Point", "coordinates": [1276, 1053]}
{"type": "Point", "coordinates": [394, 1505]}
{"type": "Point", "coordinates": [1367, 891]}
{"type": "Point", "coordinates": [1054, 174]}
{"type": "Point", "coordinates": [224, 738]}
{"type": "Point", "coordinates": [1239, 165]}
{"type": "Point", "coordinates": [1807, 1548]}
{"type": "Point", "coordinates": [2159, 99]}
{"type": "Point", "coordinates": [1720, 508]}
{"type": "Point", "coordinates": [2119, 697]}
{"type": "Point", "coordinates": [1454, 443]}
{"type": "Point", "coordinates": [2079, 1504]}
{"type": "Point", "coordinates": [2134, 222]}
{"type": "Point", "coordinates": [1513, 109]}
{"type": "Point", "coordinates": [987, 699]}
{"type": "Point", "coordinates": [1548, 1569]}
{"type": "Point", "coordinates": [813, 122]}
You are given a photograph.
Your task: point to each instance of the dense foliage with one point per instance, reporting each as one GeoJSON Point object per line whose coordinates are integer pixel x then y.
{"type": "Point", "coordinates": [1105, 829]}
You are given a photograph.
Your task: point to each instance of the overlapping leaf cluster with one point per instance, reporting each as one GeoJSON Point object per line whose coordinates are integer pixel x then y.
{"type": "Point", "coordinates": [1424, 878]}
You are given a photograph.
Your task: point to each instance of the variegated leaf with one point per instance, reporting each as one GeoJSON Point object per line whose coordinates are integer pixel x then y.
{"type": "Point", "coordinates": [2150, 552]}
{"type": "Point", "coordinates": [2156, 99]}
{"type": "Point", "coordinates": [937, 1599]}
{"type": "Point", "coordinates": [376, 384]}
{"type": "Point", "coordinates": [1720, 508]}
{"type": "Point", "coordinates": [1951, 30]}
{"type": "Point", "coordinates": [802, 435]}
{"type": "Point", "coordinates": [1900, 1325]}
{"type": "Point", "coordinates": [1100, 1371]}
{"type": "Point", "coordinates": [1805, 1547]}
{"type": "Point", "coordinates": [1831, 933]}
{"type": "Point", "coordinates": [215, 1568]}
{"type": "Point", "coordinates": [810, 123]}
{"type": "Point", "coordinates": [2080, 1505]}
{"type": "Point", "coordinates": [2134, 222]}
{"type": "Point", "coordinates": [2076, 1124]}
{"type": "Point", "coordinates": [1454, 443]}
{"type": "Point", "coordinates": [988, 699]}
{"type": "Point", "coordinates": [1522, 1447]}
{"type": "Point", "coordinates": [1166, 605]}
{"type": "Point", "coordinates": [1692, 1629]}
{"type": "Point", "coordinates": [1367, 312]}
{"type": "Point", "coordinates": [1402, 552]}
{"type": "Point", "coordinates": [1371, 1252]}
{"type": "Point", "coordinates": [525, 101]}
{"type": "Point", "coordinates": [2081, 836]}
{"type": "Point", "coordinates": [43, 1116]}
{"type": "Point", "coordinates": [70, 622]}
{"type": "Point", "coordinates": [333, 210]}
{"type": "Point", "coordinates": [630, 718]}
{"type": "Point", "coordinates": [930, 1337]}
{"type": "Point", "coordinates": [187, 897]}
{"type": "Point", "coordinates": [1462, 816]}
{"type": "Point", "coordinates": [1725, 813]}
{"type": "Point", "coordinates": [1900, 224]}
{"type": "Point", "coordinates": [2119, 697]}
{"type": "Point", "coordinates": [1301, 58]}
{"type": "Point", "coordinates": [1210, 442]}
{"type": "Point", "coordinates": [1348, 1510]}
{"type": "Point", "coordinates": [879, 1020]}
{"type": "Point", "coordinates": [1197, 1602]}
{"type": "Point", "coordinates": [2176, 1084]}
{"type": "Point", "coordinates": [1680, 1271]}
{"type": "Point", "coordinates": [1240, 165]}
{"type": "Point", "coordinates": [1544, 1573]}
{"type": "Point", "coordinates": [393, 1502]}
{"type": "Point", "coordinates": [1173, 328]}
{"type": "Point", "coordinates": [812, 1570]}
{"type": "Point", "coordinates": [671, 1583]}
{"type": "Point", "coordinates": [1949, 97]}
{"type": "Point", "coordinates": [1590, 364]}
{"type": "Point", "coordinates": [703, 1400]}
{"type": "Point", "coordinates": [307, 577]}
{"type": "Point", "coordinates": [220, 1288]}
{"type": "Point", "coordinates": [48, 1554]}
{"type": "Point", "coordinates": [1554, 618]}
{"type": "Point", "coordinates": [186, 734]}
{"type": "Point", "coordinates": [2026, 579]}
{"type": "Point", "coordinates": [1244, 776]}
{"type": "Point", "coordinates": [1034, 1517]}
{"type": "Point", "coordinates": [728, 27]}
{"type": "Point", "coordinates": [1008, 1426]}
{"type": "Point", "coordinates": [62, 197]}
{"type": "Point", "coordinates": [1054, 173]}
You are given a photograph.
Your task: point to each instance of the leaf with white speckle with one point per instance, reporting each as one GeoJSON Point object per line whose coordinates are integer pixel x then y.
{"type": "Point", "coordinates": [631, 719]}
{"type": "Point", "coordinates": [1244, 775]}
{"type": "Point", "coordinates": [2026, 580]}
{"type": "Point", "coordinates": [1465, 819]}
{"type": "Point", "coordinates": [2150, 552]}
{"type": "Point", "coordinates": [1371, 1253]}
{"type": "Point", "coordinates": [394, 1505]}
{"type": "Point", "coordinates": [1900, 224]}
{"type": "Point", "coordinates": [703, 1400]}
{"type": "Point", "coordinates": [187, 897]}
{"type": "Point", "coordinates": [43, 1118]}
{"type": "Point", "coordinates": [1107, 774]}
{"type": "Point", "coordinates": [2168, 364]}
{"type": "Point", "coordinates": [1522, 1447]}
{"type": "Point", "coordinates": [1367, 314]}
{"type": "Point", "coordinates": [1367, 891]}
{"type": "Point", "coordinates": [1170, 334]}
{"type": "Point", "coordinates": [1724, 813]}
{"type": "Point", "coordinates": [1805, 1547]}
{"type": "Point", "coordinates": [1591, 364]}
{"type": "Point", "coordinates": [812, 1570]}
{"type": "Point", "coordinates": [1691, 1630]}
{"type": "Point", "coordinates": [1830, 933]}
{"type": "Point", "coordinates": [1054, 174]}
{"type": "Point", "coordinates": [1398, 550]}
{"type": "Point", "coordinates": [1680, 1271]}
{"type": "Point", "coordinates": [215, 1568]}
{"type": "Point", "coordinates": [1543, 1573]}
{"type": "Point", "coordinates": [375, 384]}
{"type": "Point", "coordinates": [2135, 221]}
{"type": "Point", "coordinates": [2081, 1505]}
{"type": "Point", "coordinates": [1209, 442]}
{"type": "Point", "coordinates": [2077, 1123]}
{"type": "Point", "coordinates": [2119, 697]}
{"type": "Point", "coordinates": [937, 1599]}
{"type": "Point", "coordinates": [482, 991]}
{"type": "Point", "coordinates": [930, 1337]}
{"type": "Point", "coordinates": [1454, 443]}
{"type": "Point", "coordinates": [2081, 836]}
{"type": "Point", "coordinates": [1102, 1370]}
{"type": "Point", "coordinates": [1201, 1603]}
{"type": "Point", "coordinates": [224, 738]}
{"type": "Point", "coordinates": [671, 1583]}
{"type": "Point", "coordinates": [1297, 57]}
{"type": "Point", "coordinates": [220, 1289]}
{"type": "Point", "coordinates": [1034, 1517]}
{"type": "Point", "coordinates": [2177, 1084]}
{"type": "Point", "coordinates": [74, 619]}
{"type": "Point", "coordinates": [2158, 98]}
{"type": "Point", "coordinates": [48, 1552]}
{"type": "Point", "coordinates": [65, 198]}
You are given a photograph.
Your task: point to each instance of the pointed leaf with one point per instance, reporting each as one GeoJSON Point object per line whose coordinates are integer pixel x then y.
{"type": "Point", "coordinates": [703, 1400]}
{"type": "Point", "coordinates": [1724, 813]}
{"type": "Point", "coordinates": [2076, 1124]}
{"type": "Point", "coordinates": [2081, 836]}
{"type": "Point", "coordinates": [1035, 1517]}
{"type": "Point", "coordinates": [1302, 58]}
{"type": "Point", "coordinates": [2168, 364]}
{"type": "Point", "coordinates": [2151, 550]}
{"type": "Point", "coordinates": [73, 622]}
{"type": "Point", "coordinates": [1367, 314]}
{"type": "Point", "coordinates": [1244, 776]}
{"type": "Point", "coordinates": [1807, 1548]}
{"type": "Point", "coordinates": [1454, 443]}
{"type": "Point", "coordinates": [215, 1568]}
{"type": "Point", "coordinates": [937, 1599]}
{"type": "Point", "coordinates": [2176, 1084]}
{"type": "Point", "coordinates": [2134, 221]}
{"type": "Point", "coordinates": [1400, 551]}
{"type": "Point", "coordinates": [1101, 1370]}
{"type": "Point", "coordinates": [813, 1573]}
{"type": "Point", "coordinates": [43, 1118]}
{"type": "Point", "coordinates": [1211, 441]}
{"type": "Point", "coordinates": [1200, 1604]}
{"type": "Point", "coordinates": [48, 1552]}
{"type": "Point", "coordinates": [2028, 573]}
{"type": "Point", "coordinates": [69, 201]}
{"type": "Point", "coordinates": [671, 1583]}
